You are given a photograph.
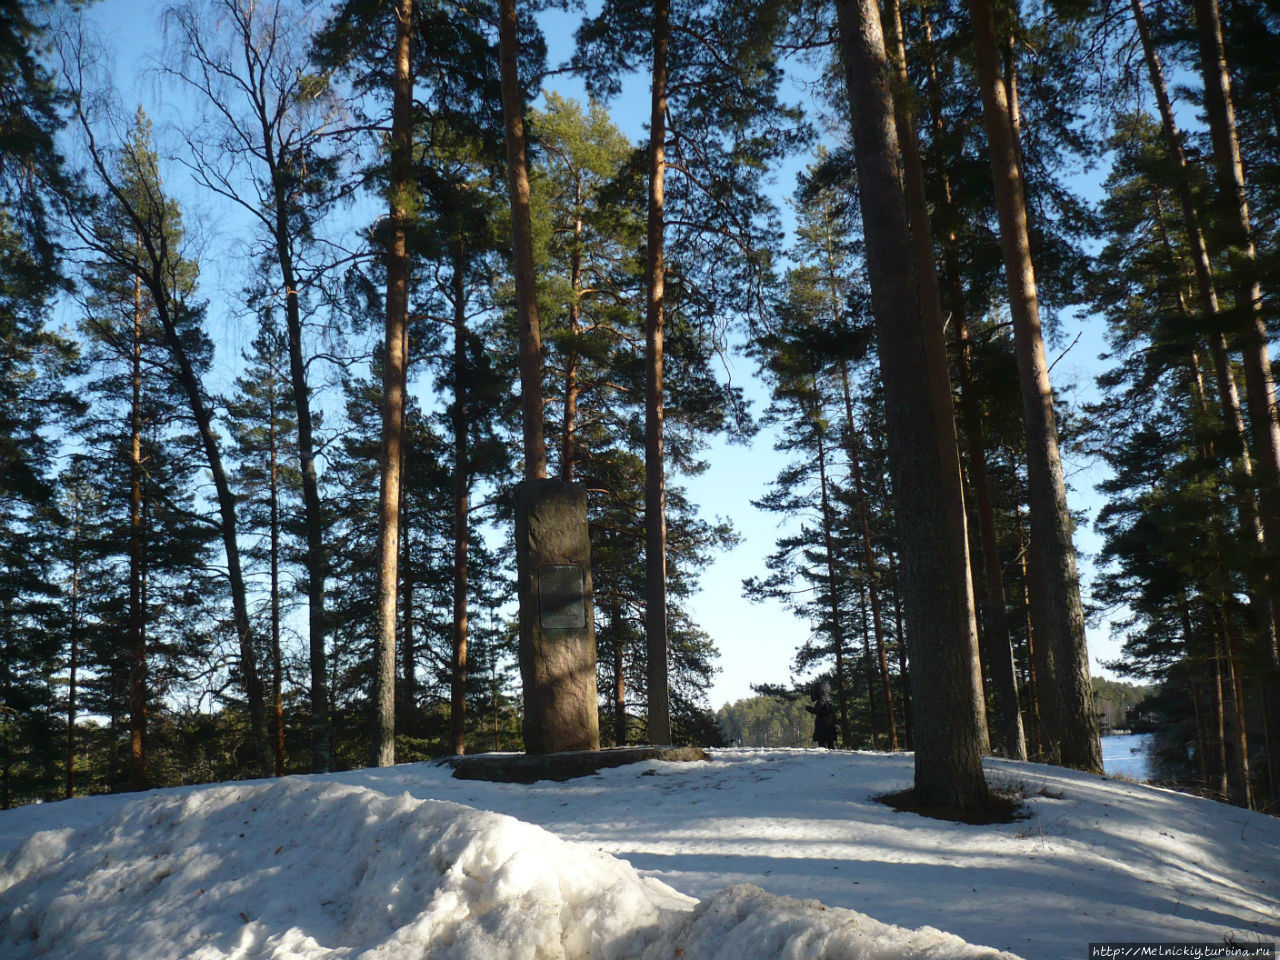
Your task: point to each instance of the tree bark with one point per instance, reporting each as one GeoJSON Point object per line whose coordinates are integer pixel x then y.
{"type": "Point", "coordinates": [938, 597]}
{"type": "Point", "coordinates": [531, 402]}
{"type": "Point", "coordinates": [1229, 398]}
{"type": "Point", "coordinates": [73, 664]}
{"type": "Point", "coordinates": [1250, 326]}
{"type": "Point", "coordinates": [619, 673]}
{"type": "Point", "coordinates": [461, 512]}
{"type": "Point", "coordinates": [995, 637]}
{"type": "Point", "coordinates": [833, 592]}
{"type": "Point", "coordinates": [869, 565]}
{"type": "Point", "coordinates": [273, 483]}
{"type": "Point", "coordinates": [1075, 737]}
{"type": "Point", "coordinates": [227, 517]}
{"type": "Point", "coordinates": [568, 446]}
{"type": "Point", "coordinates": [312, 516]}
{"type": "Point", "coordinates": [655, 484]}
{"type": "Point", "coordinates": [394, 375]}
{"type": "Point", "coordinates": [137, 639]}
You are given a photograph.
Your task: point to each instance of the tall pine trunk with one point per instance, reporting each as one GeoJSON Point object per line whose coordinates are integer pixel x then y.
{"type": "Point", "coordinates": [1251, 330]}
{"type": "Point", "coordinates": [137, 638]}
{"type": "Point", "coordinates": [655, 486]}
{"type": "Point", "coordinates": [869, 566]}
{"type": "Point", "coordinates": [531, 402]}
{"type": "Point", "coordinates": [568, 444]}
{"type": "Point", "coordinates": [833, 590]}
{"type": "Point", "coordinates": [949, 718]}
{"type": "Point", "coordinates": [1074, 737]}
{"type": "Point", "coordinates": [995, 636]}
{"type": "Point", "coordinates": [1264, 612]}
{"type": "Point", "coordinates": [383, 743]}
{"type": "Point", "coordinates": [461, 511]}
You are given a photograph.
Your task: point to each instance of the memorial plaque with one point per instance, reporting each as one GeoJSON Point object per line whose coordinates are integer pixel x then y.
{"type": "Point", "coordinates": [562, 597]}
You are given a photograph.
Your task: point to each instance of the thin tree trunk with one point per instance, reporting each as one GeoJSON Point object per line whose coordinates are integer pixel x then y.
{"type": "Point", "coordinates": [655, 487]}
{"type": "Point", "coordinates": [833, 594]}
{"type": "Point", "coordinates": [869, 565]}
{"type": "Point", "coordinates": [1229, 398]}
{"type": "Point", "coordinates": [313, 522]}
{"type": "Point", "coordinates": [394, 374]}
{"type": "Point", "coordinates": [277, 699]}
{"type": "Point", "coordinates": [904, 673]}
{"type": "Point", "coordinates": [531, 402]}
{"type": "Point", "coordinates": [227, 524]}
{"type": "Point", "coordinates": [1075, 736]}
{"type": "Point", "coordinates": [1034, 650]}
{"type": "Point", "coordinates": [461, 511]}
{"type": "Point", "coordinates": [316, 560]}
{"type": "Point", "coordinates": [568, 447]}
{"type": "Point", "coordinates": [949, 713]}
{"type": "Point", "coordinates": [619, 674]}
{"type": "Point", "coordinates": [1219, 730]}
{"type": "Point", "coordinates": [1238, 776]}
{"type": "Point", "coordinates": [407, 697]}
{"type": "Point", "coordinates": [73, 664]}
{"type": "Point", "coordinates": [137, 641]}
{"type": "Point", "coordinates": [868, 673]}
{"type": "Point", "coordinates": [1251, 329]}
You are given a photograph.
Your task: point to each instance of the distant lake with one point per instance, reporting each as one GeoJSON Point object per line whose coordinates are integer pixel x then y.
{"type": "Point", "coordinates": [1127, 754]}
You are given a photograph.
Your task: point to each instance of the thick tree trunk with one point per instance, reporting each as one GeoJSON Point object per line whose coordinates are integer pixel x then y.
{"type": "Point", "coordinates": [531, 402]}
{"type": "Point", "coordinates": [461, 512]}
{"type": "Point", "coordinates": [1075, 736]}
{"type": "Point", "coordinates": [137, 639]}
{"type": "Point", "coordinates": [655, 485]}
{"type": "Point", "coordinates": [949, 714]}
{"type": "Point", "coordinates": [996, 639]}
{"type": "Point", "coordinates": [394, 375]}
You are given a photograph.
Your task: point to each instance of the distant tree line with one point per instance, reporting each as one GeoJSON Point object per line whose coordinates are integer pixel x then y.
{"type": "Point", "coordinates": [456, 278]}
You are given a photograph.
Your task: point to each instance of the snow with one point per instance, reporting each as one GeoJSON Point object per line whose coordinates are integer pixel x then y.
{"type": "Point", "coordinates": [785, 851]}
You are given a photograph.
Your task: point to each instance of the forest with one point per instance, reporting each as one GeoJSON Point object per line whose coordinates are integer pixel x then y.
{"type": "Point", "coordinates": [459, 277]}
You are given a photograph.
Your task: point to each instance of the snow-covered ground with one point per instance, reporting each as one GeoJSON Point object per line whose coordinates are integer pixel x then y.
{"type": "Point", "coordinates": [758, 854]}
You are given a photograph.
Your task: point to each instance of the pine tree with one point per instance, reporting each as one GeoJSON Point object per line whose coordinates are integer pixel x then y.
{"type": "Point", "coordinates": [948, 710]}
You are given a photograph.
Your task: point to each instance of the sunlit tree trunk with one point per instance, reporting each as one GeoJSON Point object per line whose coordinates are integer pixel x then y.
{"type": "Point", "coordinates": [535, 448]}
{"type": "Point", "coordinates": [655, 486]}
{"type": "Point", "coordinates": [137, 638]}
{"type": "Point", "coordinates": [395, 361]}
{"type": "Point", "coordinates": [1074, 737]}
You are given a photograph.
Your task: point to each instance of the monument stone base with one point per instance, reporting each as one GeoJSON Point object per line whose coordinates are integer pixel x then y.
{"type": "Point", "coordinates": [557, 624]}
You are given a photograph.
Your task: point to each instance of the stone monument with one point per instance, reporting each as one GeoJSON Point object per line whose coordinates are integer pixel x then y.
{"type": "Point", "coordinates": [557, 625]}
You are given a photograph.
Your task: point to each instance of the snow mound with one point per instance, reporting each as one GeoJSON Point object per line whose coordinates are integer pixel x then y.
{"type": "Point", "coordinates": [745, 922]}
{"type": "Point", "coordinates": [308, 869]}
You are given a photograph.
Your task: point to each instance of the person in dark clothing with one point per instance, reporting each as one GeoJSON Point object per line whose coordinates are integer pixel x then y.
{"type": "Point", "coordinates": [824, 716]}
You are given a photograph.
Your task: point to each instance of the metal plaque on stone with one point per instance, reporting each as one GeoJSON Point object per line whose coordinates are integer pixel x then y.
{"type": "Point", "coordinates": [562, 597]}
